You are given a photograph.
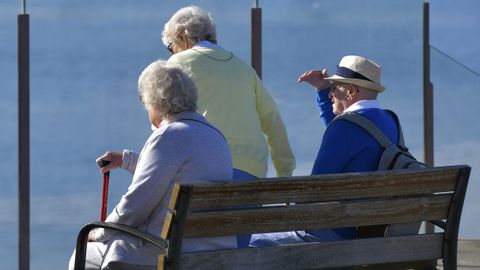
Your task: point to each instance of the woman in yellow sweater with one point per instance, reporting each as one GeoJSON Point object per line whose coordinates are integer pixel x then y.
{"type": "Point", "coordinates": [231, 95]}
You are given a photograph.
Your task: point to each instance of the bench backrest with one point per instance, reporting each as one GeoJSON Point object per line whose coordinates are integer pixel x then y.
{"type": "Point", "coordinates": [323, 201]}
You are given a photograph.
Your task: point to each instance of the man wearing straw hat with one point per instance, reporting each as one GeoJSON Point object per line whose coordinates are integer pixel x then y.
{"type": "Point", "coordinates": [345, 146]}
{"type": "Point", "coordinates": [354, 88]}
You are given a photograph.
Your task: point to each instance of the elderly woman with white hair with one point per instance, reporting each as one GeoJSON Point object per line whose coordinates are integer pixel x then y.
{"type": "Point", "coordinates": [184, 147]}
{"type": "Point", "coordinates": [230, 95]}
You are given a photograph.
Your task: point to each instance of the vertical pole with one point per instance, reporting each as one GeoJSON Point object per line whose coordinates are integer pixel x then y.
{"type": "Point", "coordinates": [24, 7]}
{"type": "Point", "coordinates": [257, 38]}
{"type": "Point", "coordinates": [23, 140]}
{"type": "Point", "coordinates": [427, 96]}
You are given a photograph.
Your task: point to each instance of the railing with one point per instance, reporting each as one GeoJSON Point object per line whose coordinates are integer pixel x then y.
{"type": "Point", "coordinates": [456, 97]}
{"type": "Point", "coordinates": [86, 58]}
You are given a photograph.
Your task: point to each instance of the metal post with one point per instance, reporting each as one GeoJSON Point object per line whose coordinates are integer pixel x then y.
{"type": "Point", "coordinates": [24, 6]}
{"type": "Point", "coordinates": [427, 97]}
{"type": "Point", "coordinates": [23, 140]}
{"type": "Point", "coordinates": [257, 38]}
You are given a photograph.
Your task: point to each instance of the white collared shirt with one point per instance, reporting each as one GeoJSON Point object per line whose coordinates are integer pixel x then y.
{"type": "Point", "coordinates": [363, 104]}
{"type": "Point", "coordinates": [207, 44]}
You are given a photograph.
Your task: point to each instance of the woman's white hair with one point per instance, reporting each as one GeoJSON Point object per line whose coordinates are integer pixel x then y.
{"type": "Point", "coordinates": [167, 89]}
{"type": "Point", "coordinates": [194, 22]}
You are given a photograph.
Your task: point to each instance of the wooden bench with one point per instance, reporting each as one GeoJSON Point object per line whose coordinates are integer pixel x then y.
{"type": "Point", "coordinates": [324, 201]}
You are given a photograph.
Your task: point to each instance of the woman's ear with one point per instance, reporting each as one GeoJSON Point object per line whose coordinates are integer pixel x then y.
{"type": "Point", "coordinates": [186, 44]}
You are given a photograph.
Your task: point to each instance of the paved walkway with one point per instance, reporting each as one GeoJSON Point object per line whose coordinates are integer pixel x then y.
{"type": "Point", "coordinates": [468, 255]}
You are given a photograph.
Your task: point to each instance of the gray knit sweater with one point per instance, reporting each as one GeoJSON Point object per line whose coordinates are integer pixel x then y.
{"type": "Point", "coordinates": [186, 149]}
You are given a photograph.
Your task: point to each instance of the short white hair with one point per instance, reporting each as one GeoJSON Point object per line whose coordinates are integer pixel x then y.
{"type": "Point", "coordinates": [194, 22]}
{"type": "Point", "coordinates": [167, 89]}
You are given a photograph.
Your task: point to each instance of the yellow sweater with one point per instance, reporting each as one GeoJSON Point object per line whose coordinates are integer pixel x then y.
{"type": "Point", "coordinates": [232, 97]}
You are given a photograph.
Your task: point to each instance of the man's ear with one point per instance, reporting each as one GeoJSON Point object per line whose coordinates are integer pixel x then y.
{"type": "Point", "coordinates": [353, 92]}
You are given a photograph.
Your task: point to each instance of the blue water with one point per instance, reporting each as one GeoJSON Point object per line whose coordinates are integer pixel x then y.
{"type": "Point", "coordinates": [86, 57]}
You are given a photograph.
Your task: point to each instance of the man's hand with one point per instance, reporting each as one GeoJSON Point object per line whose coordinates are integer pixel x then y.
{"type": "Point", "coordinates": [315, 78]}
{"type": "Point", "coordinates": [115, 159]}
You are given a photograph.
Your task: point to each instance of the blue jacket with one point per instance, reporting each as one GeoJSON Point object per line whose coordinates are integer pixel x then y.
{"type": "Point", "coordinates": [346, 147]}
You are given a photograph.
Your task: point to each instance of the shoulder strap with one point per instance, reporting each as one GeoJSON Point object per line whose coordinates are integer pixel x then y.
{"type": "Point", "coordinates": [367, 125]}
{"type": "Point", "coordinates": [195, 120]}
{"type": "Point", "coordinates": [401, 142]}
{"type": "Point", "coordinates": [371, 128]}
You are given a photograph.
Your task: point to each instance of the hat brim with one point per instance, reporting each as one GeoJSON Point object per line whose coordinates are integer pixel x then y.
{"type": "Point", "coordinates": [364, 83]}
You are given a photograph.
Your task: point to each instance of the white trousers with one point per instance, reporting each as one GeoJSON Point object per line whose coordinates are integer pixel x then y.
{"type": "Point", "coordinates": [94, 260]}
{"type": "Point", "coordinates": [94, 257]}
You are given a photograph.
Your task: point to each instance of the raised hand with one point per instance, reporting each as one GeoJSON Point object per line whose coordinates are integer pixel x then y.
{"type": "Point", "coordinates": [316, 78]}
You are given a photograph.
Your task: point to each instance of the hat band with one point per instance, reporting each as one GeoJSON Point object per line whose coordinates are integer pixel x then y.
{"type": "Point", "coordinates": [348, 73]}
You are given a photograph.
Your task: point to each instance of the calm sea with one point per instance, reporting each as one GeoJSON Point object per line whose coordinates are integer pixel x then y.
{"type": "Point", "coordinates": [86, 57]}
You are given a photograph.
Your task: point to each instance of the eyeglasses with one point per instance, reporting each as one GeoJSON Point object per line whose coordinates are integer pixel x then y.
{"type": "Point", "coordinates": [170, 47]}
{"type": "Point", "coordinates": [337, 86]}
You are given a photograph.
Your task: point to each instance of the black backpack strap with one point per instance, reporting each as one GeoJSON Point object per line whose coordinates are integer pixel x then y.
{"type": "Point", "coordinates": [401, 142]}
{"type": "Point", "coordinates": [367, 125]}
{"type": "Point", "coordinates": [372, 129]}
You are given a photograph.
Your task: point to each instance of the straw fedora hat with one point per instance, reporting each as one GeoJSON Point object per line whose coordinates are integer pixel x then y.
{"type": "Point", "coordinates": [359, 71]}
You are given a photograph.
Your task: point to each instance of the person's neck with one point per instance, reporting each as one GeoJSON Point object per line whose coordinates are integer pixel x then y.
{"type": "Point", "coordinates": [363, 104]}
{"type": "Point", "coordinates": [207, 44]}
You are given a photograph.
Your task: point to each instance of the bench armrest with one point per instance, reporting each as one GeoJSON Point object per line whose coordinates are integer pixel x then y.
{"type": "Point", "coordinates": [82, 239]}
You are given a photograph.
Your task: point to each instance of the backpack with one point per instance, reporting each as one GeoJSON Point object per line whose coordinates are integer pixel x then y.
{"type": "Point", "coordinates": [394, 156]}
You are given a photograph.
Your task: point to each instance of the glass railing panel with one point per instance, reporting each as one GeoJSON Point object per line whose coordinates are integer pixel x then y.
{"type": "Point", "coordinates": [303, 35]}
{"type": "Point", "coordinates": [85, 61]}
{"type": "Point", "coordinates": [456, 94]}
{"type": "Point", "coordinates": [8, 134]}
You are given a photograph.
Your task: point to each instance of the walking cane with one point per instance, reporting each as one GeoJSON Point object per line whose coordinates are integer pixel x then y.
{"type": "Point", "coordinates": [106, 178]}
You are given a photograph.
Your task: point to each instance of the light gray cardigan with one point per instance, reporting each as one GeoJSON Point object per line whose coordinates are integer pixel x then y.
{"type": "Point", "coordinates": [185, 149]}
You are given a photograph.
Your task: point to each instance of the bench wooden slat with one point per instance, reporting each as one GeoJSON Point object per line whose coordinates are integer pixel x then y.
{"type": "Point", "coordinates": [174, 198]}
{"type": "Point", "coordinates": [316, 216]}
{"type": "Point", "coordinates": [423, 265]}
{"type": "Point", "coordinates": [167, 225]}
{"type": "Point", "coordinates": [324, 187]}
{"type": "Point", "coordinates": [317, 255]}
